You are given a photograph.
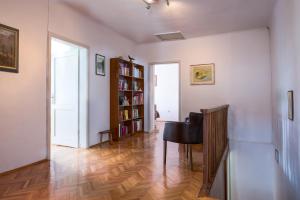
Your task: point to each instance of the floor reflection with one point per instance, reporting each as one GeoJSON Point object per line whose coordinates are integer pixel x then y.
{"type": "Point", "coordinates": [130, 169]}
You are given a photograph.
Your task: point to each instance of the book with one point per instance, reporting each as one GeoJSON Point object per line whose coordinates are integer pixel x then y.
{"type": "Point", "coordinates": [123, 84]}
{"type": "Point", "coordinates": [123, 130]}
{"type": "Point", "coordinates": [137, 73]}
{"type": "Point", "coordinates": [126, 115]}
{"type": "Point", "coordinates": [135, 86]}
{"type": "Point", "coordinates": [138, 99]}
{"type": "Point", "coordinates": [124, 69]}
{"type": "Point", "coordinates": [123, 115]}
{"type": "Point", "coordinates": [135, 113]}
{"type": "Point", "coordinates": [138, 126]}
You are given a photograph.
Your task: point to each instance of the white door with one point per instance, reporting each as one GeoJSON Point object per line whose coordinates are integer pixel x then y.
{"type": "Point", "coordinates": [64, 98]}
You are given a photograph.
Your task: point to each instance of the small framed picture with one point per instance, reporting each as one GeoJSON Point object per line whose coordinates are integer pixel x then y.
{"type": "Point", "coordinates": [100, 65]}
{"type": "Point", "coordinates": [291, 105]}
{"type": "Point", "coordinates": [9, 49]}
{"type": "Point", "coordinates": [203, 74]}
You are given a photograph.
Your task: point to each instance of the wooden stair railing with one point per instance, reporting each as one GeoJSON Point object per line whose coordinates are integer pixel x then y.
{"type": "Point", "coordinates": [215, 145]}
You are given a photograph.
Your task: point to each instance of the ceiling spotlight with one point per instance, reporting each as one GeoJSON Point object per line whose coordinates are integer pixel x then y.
{"type": "Point", "coordinates": [150, 2]}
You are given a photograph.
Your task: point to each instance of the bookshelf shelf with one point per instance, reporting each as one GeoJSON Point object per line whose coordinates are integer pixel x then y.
{"type": "Point", "coordinates": [138, 132]}
{"type": "Point", "coordinates": [139, 78]}
{"type": "Point", "coordinates": [138, 118]}
{"type": "Point", "coordinates": [127, 87]}
{"type": "Point", "coordinates": [125, 76]}
{"type": "Point", "coordinates": [125, 120]}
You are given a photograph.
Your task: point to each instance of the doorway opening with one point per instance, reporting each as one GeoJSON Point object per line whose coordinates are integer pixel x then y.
{"type": "Point", "coordinates": [166, 92]}
{"type": "Point", "coordinates": [69, 94]}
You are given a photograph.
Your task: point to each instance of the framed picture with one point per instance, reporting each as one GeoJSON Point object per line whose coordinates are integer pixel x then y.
{"type": "Point", "coordinates": [9, 49]}
{"type": "Point", "coordinates": [100, 65]}
{"type": "Point", "coordinates": [291, 105]}
{"type": "Point", "coordinates": [203, 74]}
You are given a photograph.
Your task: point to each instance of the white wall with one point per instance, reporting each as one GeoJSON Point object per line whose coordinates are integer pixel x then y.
{"type": "Point", "coordinates": [23, 95]}
{"type": "Point", "coordinates": [76, 27]}
{"type": "Point", "coordinates": [243, 80]}
{"type": "Point", "coordinates": [167, 91]}
{"type": "Point", "coordinates": [285, 47]}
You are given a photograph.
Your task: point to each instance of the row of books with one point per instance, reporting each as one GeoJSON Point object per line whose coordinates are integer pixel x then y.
{"type": "Point", "coordinates": [124, 69]}
{"type": "Point", "coordinates": [135, 113]}
{"type": "Point", "coordinates": [123, 115]}
{"type": "Point", "coordinates": [137, 73]}
{"type": "Point", "coordinates": [123, 130]}
{"type": "Point", "coordinates": [123, 84]}
{"type": "Point", "coordinates": [137, 126]}
{"type": "Point", "coordinates": [136, 86]}
{"type": "Point", "coordinates": [138, 99]}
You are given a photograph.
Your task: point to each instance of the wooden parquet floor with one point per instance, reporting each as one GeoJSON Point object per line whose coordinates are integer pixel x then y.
{"type": "Point", "coordinates": [129, 170]}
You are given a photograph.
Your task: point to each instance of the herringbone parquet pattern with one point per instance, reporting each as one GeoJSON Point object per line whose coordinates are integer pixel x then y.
{"type": "Point", "coordinates": [129, 170]}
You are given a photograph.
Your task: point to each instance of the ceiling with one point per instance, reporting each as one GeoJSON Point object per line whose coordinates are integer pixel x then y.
{"type": "Point", "coordinates": [193, 18]}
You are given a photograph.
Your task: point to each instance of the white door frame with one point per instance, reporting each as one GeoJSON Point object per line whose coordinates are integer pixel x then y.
{"type": "Point", "coordinates": [151, 90]}
{"type": "Point", "coordinates": [48, 88]}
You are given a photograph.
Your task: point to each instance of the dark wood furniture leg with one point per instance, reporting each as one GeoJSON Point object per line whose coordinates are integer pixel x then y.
{"type": "Point", "coordinates": [187, 150]}
{"type": "Point", "coordinates": [191, 156]}
{"type": "Point", "coordinates": [101, 137]}
{"type": "Point", "coordinates": [165, 152]}
{"type": "Point", "coordinates": [110, 138]}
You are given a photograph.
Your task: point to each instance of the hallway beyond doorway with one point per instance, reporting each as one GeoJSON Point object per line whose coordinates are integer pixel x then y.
{"type": "Point", "coordinates": [167, 91]}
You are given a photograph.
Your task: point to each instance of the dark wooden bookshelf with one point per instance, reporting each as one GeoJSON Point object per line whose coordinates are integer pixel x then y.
{"type": "Point", "coordinates": [126, 98]}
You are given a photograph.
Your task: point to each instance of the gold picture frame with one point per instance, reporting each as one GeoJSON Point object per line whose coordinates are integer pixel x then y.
{"type": "Point", "coordinates": [9, 51]}
{"type": "Point", "coordinates": [203, 74]}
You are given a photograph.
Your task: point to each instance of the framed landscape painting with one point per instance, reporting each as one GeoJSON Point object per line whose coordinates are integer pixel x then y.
{"type": "Point", "coordinates": [203, 74]}
{"type": "Point", "coordinates": [100, 65]}
{"type": "Point", "coordinates": [9, 49]}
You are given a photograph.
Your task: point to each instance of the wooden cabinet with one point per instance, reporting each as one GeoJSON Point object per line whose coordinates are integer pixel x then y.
{"type": "Point", "coordinates": [126, 98]}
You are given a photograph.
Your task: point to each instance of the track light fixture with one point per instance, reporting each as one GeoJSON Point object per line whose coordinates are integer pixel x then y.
{"type": "Point", "coordinates": [150, 2]}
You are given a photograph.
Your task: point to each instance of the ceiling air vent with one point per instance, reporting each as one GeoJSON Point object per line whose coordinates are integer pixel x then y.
{"type": "Point", "coordinates": [170, 36]}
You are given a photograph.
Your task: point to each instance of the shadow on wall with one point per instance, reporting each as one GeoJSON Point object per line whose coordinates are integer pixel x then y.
{"type": "Point", "coordinates": [251, 171]}
{"type": "Point", "coordinates": [288, 166]}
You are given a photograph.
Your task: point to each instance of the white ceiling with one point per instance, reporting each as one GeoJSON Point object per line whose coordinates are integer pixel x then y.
{"type": "Point", "coordinates": [193, 18]}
